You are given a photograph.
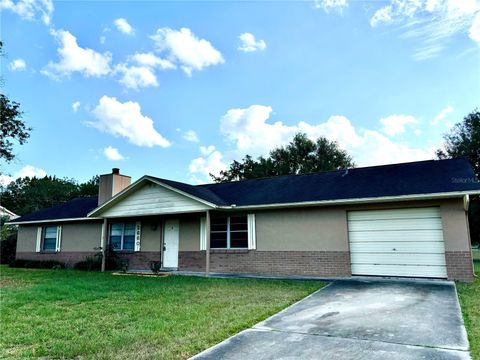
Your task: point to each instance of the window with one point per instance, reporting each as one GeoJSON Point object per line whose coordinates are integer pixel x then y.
{"type": "Point", "coordinates": [49, 238]}
{"type": "Point", "coordinates": [229, 232]}
{"type": "Point", "coordinates": [122, 236]}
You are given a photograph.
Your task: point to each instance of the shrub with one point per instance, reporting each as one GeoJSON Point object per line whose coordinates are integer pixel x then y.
{"type": "Point", "coordinates": [90, 263]}
{"type": "Point", "coordinates": [37, 264]}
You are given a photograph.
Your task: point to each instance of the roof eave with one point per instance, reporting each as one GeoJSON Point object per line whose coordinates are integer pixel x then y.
{"type": "Point", "coordinates": [430, 196]}
{"type": "Point", "coordinates": [52, 220]}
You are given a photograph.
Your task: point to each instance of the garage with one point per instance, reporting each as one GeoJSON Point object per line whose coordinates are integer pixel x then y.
{"type": "Point", "coordinates": [398, 242]}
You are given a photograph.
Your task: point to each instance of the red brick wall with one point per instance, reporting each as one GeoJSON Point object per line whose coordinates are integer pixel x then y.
{"type": "Point", "coordinates": [308, 263]}
{"type": "Point", "coordinates": [136, 260]}
{"type": "Point", "coordinates": [459, 265]}
{"type": "Point", "coordinates": [69, 258]}
{"type": "Point", "coordinates": [140, 260]}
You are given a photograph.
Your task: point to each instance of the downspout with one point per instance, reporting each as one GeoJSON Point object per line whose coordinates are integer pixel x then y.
{"type": "Point", "coordinates": [207, 250]}
{"type": "Point", "coordinates": [103, 242]}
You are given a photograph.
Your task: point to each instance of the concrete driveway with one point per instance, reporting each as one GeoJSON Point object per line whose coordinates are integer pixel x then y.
{"type": "Point", "coordinates": [358, 319]}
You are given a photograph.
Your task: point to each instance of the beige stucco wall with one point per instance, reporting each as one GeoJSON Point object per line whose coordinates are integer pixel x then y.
{"type": "Point", "coordinates": [76, 237]}
{"type": "Point", "coordinates": [189, 234]}
{"type": "Point", "coordinates": [26, 238]}
{"type": "Point", "coordinates": [151, 236]}
{"type": "Point", "coordinates": [455, 230]}
{"type": "Point", "coordinates": [307, 229]}
{"type": "Point", "coordinates": [325, 228]}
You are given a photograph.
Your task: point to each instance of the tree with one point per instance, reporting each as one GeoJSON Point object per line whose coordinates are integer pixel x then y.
{"type": "Point", "coordinates": [12, 127]}
{"type": "Point", "coordinates": [464, 140]}
{"type": "Point", "coordinates": [26, 195]}
{"type": "Point", "coordinates": [300, 156]}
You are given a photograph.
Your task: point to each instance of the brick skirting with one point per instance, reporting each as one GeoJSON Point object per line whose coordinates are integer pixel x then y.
{"type": "Point", "coordinates": [459, 265]}
{"type": "Point", "coordinates": [308, 263]}
{"type": "Point", "coordinates": [68, 258]}
{"type": "Point", "coordinates": [136, 260]}
{"type": "Point", "coordinates": [140, 260]}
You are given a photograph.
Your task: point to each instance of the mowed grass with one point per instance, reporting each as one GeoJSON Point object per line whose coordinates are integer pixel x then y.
{"type": "Point", "coordinates": [72, 314]}
{"type": "Point", "coordinates": [469, 295]}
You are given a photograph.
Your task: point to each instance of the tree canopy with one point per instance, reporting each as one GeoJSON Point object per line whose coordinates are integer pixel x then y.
{"type": "Point", "coordinates": [300, 156]}
{"type": "Point", "coordinates": [464, 140]}
{"type": "Point", "coordinates": [26, 195]}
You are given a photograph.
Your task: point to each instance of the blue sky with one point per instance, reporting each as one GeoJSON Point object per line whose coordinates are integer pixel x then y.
{"type": "Point", "coordinates": [180, 89]}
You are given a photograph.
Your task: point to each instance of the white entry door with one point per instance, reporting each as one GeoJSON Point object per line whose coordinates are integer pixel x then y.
{"type": "Point", "coordinates": [399, 242]}
{"type": "Point", "coordinates": [170, 244]}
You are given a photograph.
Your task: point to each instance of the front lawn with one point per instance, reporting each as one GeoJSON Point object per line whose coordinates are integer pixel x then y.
{"type": "Point", "coordinates": [469, 295]}
{"type": "Point", "coordinates": [69, 314]}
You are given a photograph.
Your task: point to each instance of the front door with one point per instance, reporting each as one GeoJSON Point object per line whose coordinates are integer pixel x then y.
{"type": "Point", "coordinates": [170, 244]}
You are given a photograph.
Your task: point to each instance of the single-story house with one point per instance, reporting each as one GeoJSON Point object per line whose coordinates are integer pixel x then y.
{"type": "Point", "coordinates": [407, 220]}
{"type": "Point", "coordinates": [4, 212]}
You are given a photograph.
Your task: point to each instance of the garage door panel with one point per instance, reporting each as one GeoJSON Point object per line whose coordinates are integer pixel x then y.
{"type": "Point", "coordinates": [395, 270]}
{"type": "Point", "coordinates": [396, 224]}
{"type": "Point", "coordinates": [415, 213]}
{"type": "Point", "coordinates": [395, 236]}
{"type": "Point", "coordinates": [398, 242]}
{"type": "Point", "coordinates": [400, 246]}
{"type": "Point", "coordinates": [399, 259]}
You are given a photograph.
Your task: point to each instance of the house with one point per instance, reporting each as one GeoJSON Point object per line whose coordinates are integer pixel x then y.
{"type": "Point", "coordinates": [406, 220]}
{"type": "Point", "coordinates": [4, 212]}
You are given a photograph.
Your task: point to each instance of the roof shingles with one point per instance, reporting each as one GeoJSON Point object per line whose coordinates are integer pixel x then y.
{"type": "Point", "coordinates": [416, 178]}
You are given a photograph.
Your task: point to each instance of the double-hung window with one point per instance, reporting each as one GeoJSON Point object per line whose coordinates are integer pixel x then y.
{"type": "Point", "coordinates": [122, 236]}
{"type": "Point", "coordinates": [49, 238]}
{"type": "Point", "coordinates": [230, 232]}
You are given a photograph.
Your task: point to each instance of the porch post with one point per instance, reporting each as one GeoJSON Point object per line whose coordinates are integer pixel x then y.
{"type": "Point", "coordinates": [207, 252]}
{"type": "Point", "coordinates": [103, 242]}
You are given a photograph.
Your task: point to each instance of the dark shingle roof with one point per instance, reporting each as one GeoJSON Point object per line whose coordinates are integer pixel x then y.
{"type": "Point", "coordinates": [416, 178]}
{"type": "Point", "coordinates": [76, 208]}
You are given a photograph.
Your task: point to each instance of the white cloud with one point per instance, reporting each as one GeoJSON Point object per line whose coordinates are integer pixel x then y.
{"type": "Point", "coordinates": [381, 16]}
{"type": "Point", "coordinates": [139, 70]}
{"type": "Point", "coordinates": [191, 136]}
{"type": "Point", "coordinates": [433, 22]}
{"type": "Point", "coordinates": [26, 171]}
{"type": "Point", "coordinates": [474, 31]}
{"type": "Point", "coordinates": [75, 106]}
{"type": "Point", "coordinates": [74, 58]}
{"type": "Point", "coordinates": [183, 47]}
{"type": "Point", "coordinates": [331, 5]}
{"type": "Point", "coordinates": [395, 124]}
{"type": "Point", "coordinates": [249, 131]}
{"type": "Point", "coordinates": [112, 153]}
{"type": "Point", "coordinates": [30, 9]}
{"type": "Point", "coordinates": [209, 163]}
{"type": "Point", "coordinates": [417, 132]}
{"type": "Point", "coordinates": [152, 61]}
{"type": "Point", "coordinates": [123, 26]}
{"type": "Point", "coordinates": [17, 65]}
{"type": "Point", "coordinates": [135, 77]}
{"type": "Point", "coordinates": [442, 115]}
{"type": "Point", "coordinates": [248, 43]}
{"type": "Point", "coordinates": [103, 39]}
{"type": "Point", "coordinates": [126, 120]}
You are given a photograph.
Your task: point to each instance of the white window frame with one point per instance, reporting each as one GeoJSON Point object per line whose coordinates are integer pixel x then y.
{"type": "Point", "coordinates": [136, 244]}
{"type": "Point", "coordinates": [41, 233]}
{"type": "Point", "coordinates": [229, 238]}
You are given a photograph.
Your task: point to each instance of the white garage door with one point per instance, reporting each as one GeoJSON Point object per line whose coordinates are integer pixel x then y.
{"type": "Point", "coordinates": [400, 242]}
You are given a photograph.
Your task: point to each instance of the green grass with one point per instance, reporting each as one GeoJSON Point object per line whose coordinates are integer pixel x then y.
{"type": "Point", "coordinates": [70, 314]}
{"type": "Point", "coordinates": [469, 295]}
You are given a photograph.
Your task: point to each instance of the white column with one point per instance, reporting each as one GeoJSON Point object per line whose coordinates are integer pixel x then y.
{"type": "Point", "coordinates": [207, 254]}
{"type": "Point", "coordinates": [103, 242]}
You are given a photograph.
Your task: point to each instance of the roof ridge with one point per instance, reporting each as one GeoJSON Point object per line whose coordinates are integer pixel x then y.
{"type": "Point", "coordinates": [333, 171]}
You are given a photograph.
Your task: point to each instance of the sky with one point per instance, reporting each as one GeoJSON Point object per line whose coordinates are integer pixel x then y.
{"type": "Point", "coordinates": [181, 89]}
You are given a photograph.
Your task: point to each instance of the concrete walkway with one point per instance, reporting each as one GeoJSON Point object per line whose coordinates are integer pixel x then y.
{"type": "Point", "coordinates": [366, 319]}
